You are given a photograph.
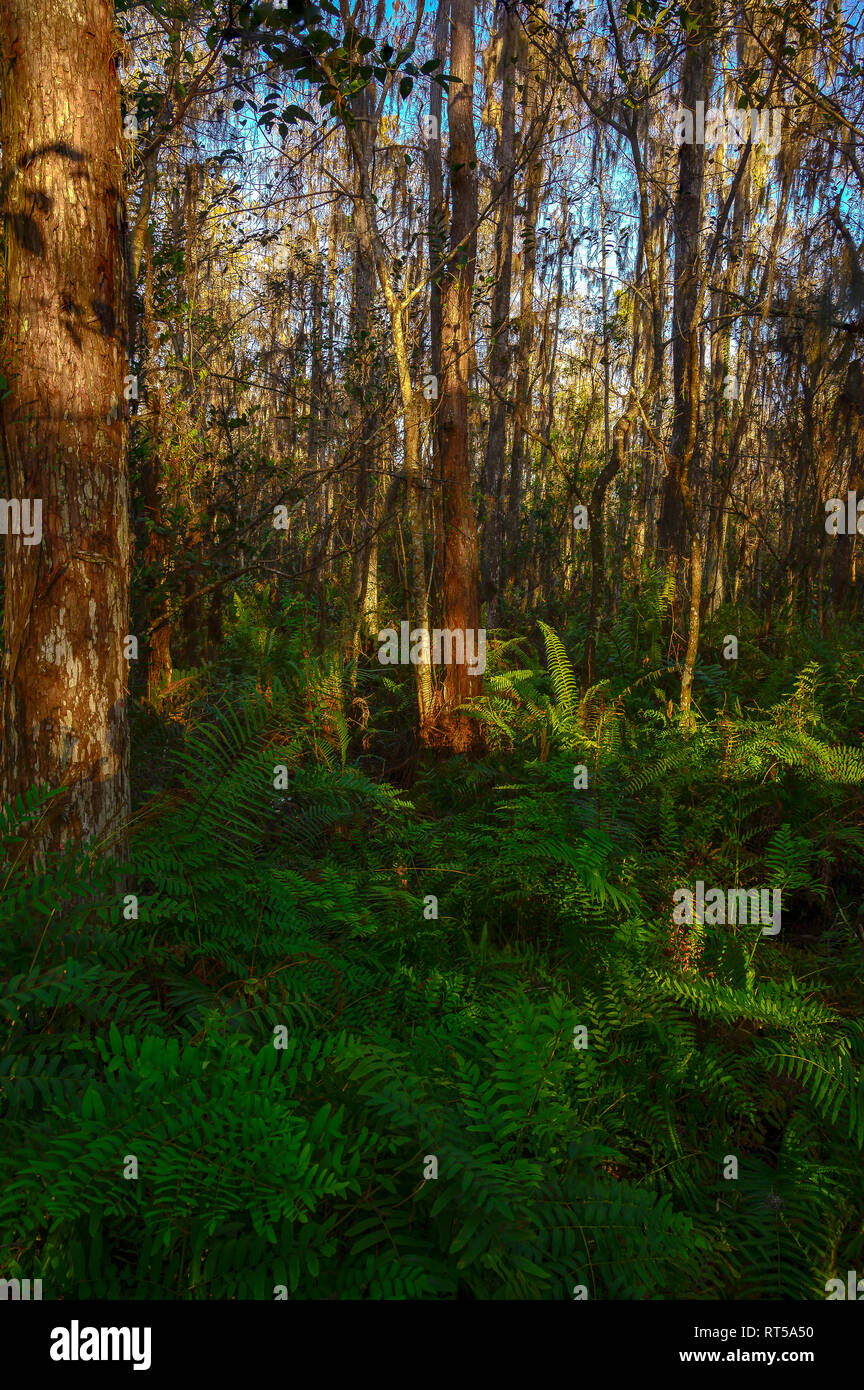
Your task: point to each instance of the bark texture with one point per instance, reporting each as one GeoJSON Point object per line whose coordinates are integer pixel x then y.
{"type": "Point", "coordinates": [64, 355]}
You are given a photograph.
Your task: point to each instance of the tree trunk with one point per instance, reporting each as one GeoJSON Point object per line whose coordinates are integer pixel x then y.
{"type": "Point", "coordinates": [437, 229]}
{"type": "Point", "coordinates": [159, 665]}
{"type": "Point", "coordinates": [366, 221]}
{"type": "Point", "coordinates": [64, 355]}
{"type": "Point", "coordinates": [461, 576]}
{"type": "Point", "coordinates": [695, 81]}
{"type": "Point", "coordinates": [522, 365]}
{"type": "Point", "coordinates": [693, 629]}
{"type": "Point", "coordinates": [499, 345]}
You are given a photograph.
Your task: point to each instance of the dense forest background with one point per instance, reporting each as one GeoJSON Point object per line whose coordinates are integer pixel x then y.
{"type": "Point", "coordinates": [325, 976]}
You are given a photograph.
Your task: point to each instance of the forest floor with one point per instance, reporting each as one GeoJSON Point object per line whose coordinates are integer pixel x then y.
{"type": "Point", "coordinates": [388, 1025]}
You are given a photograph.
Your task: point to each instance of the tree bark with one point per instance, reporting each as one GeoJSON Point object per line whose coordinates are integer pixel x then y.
{"type": "Point", "coordinates": [499, 344]}
{"type": "Point", "coordinates": [461, 562]}
{"type": "Point", "coordinates": [64, 355]}
{"type": "Point", "coordinates": [522, 365]}
{"type": "Point", "coordinates": [370, 236]}
{"type": "Point", "coordinates": [159, 664]}
{"type": "Point", "coordinates": [689, 284]}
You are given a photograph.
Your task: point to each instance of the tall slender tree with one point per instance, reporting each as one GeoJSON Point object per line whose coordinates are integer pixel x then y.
{"type": "Point", "coordinates": [461, 562]}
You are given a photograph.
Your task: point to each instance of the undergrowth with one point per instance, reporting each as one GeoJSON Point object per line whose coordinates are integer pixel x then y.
{"type": "Point", "coordinates": [326, 1031]}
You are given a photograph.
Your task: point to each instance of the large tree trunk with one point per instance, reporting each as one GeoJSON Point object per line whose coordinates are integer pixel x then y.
{"type": "Point", "coordinates": [461, 576]}
{"type": "Point", "coordinates": [64, 355]}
